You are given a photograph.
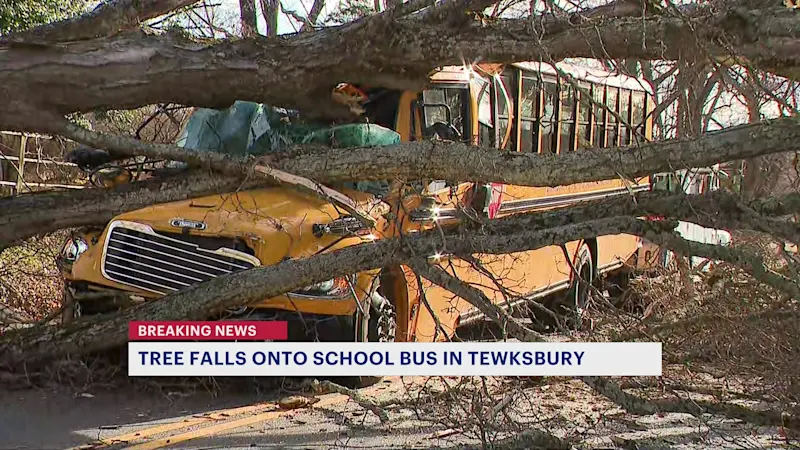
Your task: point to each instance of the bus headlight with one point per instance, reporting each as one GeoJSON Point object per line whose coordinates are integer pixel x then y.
{"type": "Point", "coordinates": [72, 249]}
{"type": "Point", "coordinates": [335, 288]}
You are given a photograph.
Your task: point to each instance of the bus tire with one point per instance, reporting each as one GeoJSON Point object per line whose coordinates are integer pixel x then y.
{"type": "Point", "coordinates": [576, 300]}
{"type": "Point", "coordinates": [381, 327]}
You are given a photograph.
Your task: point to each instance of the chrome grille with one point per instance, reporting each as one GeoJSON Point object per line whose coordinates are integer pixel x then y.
{"type": "Point", "coordinates": [137, 256]}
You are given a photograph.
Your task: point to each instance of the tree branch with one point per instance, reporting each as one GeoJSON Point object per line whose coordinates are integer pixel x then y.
{"type": "Point", "coordinates": [85, 335]}
{"type": "Point", "coordinates": [27, 215]}
{"type": "Point", "coordinates": [476, 298]}
{"type": "Point", "coordinates": [749, 262]}
{"type": "Point", "coordinates": [453, 161]}
{"type": "Point", "coordinates": [134, 69]}
{"type": "Point", "coordinates": [463, 162]}
{"type": "Point", "coordinates": [107, 19]}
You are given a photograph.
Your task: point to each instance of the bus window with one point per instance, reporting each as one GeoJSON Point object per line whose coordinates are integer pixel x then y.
{"type": "Point", "coordinates": [505, 91]}
{"type": "Point", "coordinates": [624, 113]}
{"type": "Point", "coordinates": [612, 134]}
{"type": "Point", "coordinates": [549, 118]}
{"type": "Point", "coordinates": [599, 116]}
{"type": "Point", "coordinates": [584, 124]}
{"type": "Point", "coordinates": [485, 122]}
{"type": "Point", "coordinates": [637, 115]}
{"type": "Point", "coordinates": [445, 112]}
{"type": "Point", "coordinates": [567, 118]}
{"type": "Point", "coordinates": [667, 182]}
{"type": "Point", "coordinates": [529, 103]}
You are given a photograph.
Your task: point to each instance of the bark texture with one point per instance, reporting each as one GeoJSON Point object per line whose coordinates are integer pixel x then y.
{"type": "Point", "coordinates": [135, 69]}
{"type": "Point", "coordinates": [412, 160]}
{"type": "Point", "coordinates": [32, 214]}
{"type": "Point", "coordinates": [462, 162]}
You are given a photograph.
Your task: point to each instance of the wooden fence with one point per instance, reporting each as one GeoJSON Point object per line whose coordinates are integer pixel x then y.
{"type": "Point", "coordinates": [20, 167]}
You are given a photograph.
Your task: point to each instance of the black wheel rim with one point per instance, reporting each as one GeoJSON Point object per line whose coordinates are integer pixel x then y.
{"type": "Point", "coordinates": [386, 325]}
{"type": "Point", "coordinates": [582, 290]}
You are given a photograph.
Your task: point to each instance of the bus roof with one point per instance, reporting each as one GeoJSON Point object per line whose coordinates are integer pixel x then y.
{"type": "Point", "coordinates": [461, 74]}
{"type": "Point", "coordinates": [591, 75]}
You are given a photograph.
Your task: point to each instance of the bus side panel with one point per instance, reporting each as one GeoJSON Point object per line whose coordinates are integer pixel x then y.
{"type": "Point", "coordinates": [521, 275]}
{"type": "Point", "coordinates": [615, 250]}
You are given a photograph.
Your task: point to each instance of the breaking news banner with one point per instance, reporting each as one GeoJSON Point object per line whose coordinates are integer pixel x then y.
{"type": "Point", "coordinates": [172, 355]}
{"type": "Point", "coordinates": [230, 330]}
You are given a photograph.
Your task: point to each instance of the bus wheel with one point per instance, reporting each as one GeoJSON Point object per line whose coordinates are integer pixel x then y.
{"type": "Point", "coordinates": [575, 302]}
{"type": "Point", "coordinates": [381, 327]}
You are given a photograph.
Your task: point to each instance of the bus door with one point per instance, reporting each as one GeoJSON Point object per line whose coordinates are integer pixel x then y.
{"type": "Point", "coordinates": [495, 126]}
{"type": "Point", "coordinates": [445, 113]}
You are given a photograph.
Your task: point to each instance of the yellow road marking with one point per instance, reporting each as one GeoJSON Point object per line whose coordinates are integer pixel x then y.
{"type": "Point", "coordinates": [225, 426]}
{"type": "Point", "coordinates": [171, 426]}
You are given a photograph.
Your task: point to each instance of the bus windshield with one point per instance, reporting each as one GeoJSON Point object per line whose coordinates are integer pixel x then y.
{"type": "Point", "coordinates": [445, 111]}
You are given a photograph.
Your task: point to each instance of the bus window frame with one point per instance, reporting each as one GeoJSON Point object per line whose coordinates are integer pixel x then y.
{"type": "Point", "coordinates": [536, 110]}
{"type": "Point", "coordinates": [599, 123]}
{"type": "Point", "coordinates": [610, 117]}
{"type": "Point", "coordinates": [562, 86]}
{"type": "Point", "coordinates": [418, 107]}
{"type": "Point", "coordinates": [546, 78]}
{"type": "Point", "coordinates": [506, 138]}
{"type": "Point", "coordinates": [580, 105]}
{"type": "Point", "coordinates": [483, 86]}
{"type": "Point", "coordinates": [639, 132]}
{"type": "Point", "coordinates": [625, 93]}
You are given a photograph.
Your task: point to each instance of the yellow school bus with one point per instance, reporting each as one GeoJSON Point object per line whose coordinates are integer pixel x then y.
{"type": "Point", "coordinates": [527, 107]}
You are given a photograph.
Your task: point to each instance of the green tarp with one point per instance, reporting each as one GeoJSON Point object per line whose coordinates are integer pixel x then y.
{"type": "Point", "coordinates": [248, 128]}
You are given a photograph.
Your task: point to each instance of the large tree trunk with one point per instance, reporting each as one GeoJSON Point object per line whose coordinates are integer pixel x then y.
{"type": "Point", "coordinates": [270, 10]}
{"type": "Point", "coordinates": [26, 216]}
{"type": "Point", "coordinates": [135, 69]}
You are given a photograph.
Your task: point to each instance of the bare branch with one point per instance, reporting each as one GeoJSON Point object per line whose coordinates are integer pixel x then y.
{"type": "Point", "coordinates": [437, 275]}
{"type": "Point", "coordinates": [458, 161]}
{"type": "Point", "coordinates": [439, 160]}
{"type": "Point", "coordinates": [357, 397]}
{"type": "Point", "coordinates": [749, 262]}
{"type": "Point", "coordinates": [24, 216]}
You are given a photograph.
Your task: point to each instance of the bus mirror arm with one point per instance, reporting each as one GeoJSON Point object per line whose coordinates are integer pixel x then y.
{"type": "Point", "coordinates": [430, 210]}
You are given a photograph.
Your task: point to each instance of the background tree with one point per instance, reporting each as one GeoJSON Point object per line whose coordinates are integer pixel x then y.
{"type": "Point", "coordinates": [17, 15]}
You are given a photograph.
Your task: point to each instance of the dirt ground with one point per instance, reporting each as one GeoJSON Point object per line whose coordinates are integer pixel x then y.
{"type": "Point", "coordinates": [422, 413]}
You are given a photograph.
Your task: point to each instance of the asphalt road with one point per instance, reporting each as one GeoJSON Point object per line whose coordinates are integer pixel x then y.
{"type": "Point", "coordinates": [36, 419]}
{"type": "Point", "coordinates": [125, 418]}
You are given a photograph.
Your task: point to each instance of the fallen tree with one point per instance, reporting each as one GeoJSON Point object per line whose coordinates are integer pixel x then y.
{"type": "Point", "coordinates": [25, 216]}
{"type": "Point", "coordinates": [128, 70]}
{"type": "Point", "coordinates": [505, 235]}
{"type": "Point", "coordinates": [36, 345]}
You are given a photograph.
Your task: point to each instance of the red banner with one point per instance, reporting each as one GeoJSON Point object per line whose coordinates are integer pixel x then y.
{"type": "Point", "coordinates": [231, 330]}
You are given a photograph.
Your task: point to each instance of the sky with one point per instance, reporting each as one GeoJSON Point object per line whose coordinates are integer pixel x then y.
{"type": "Point", "coordinates": [230, 8]}
{"type": "Point", "coordinates": [730, 109]}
